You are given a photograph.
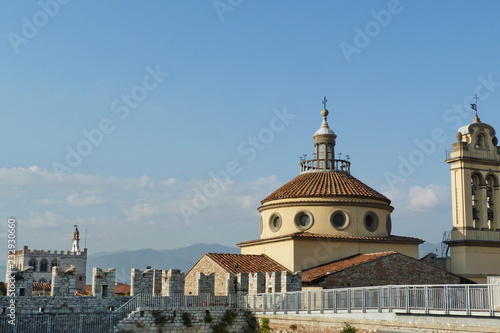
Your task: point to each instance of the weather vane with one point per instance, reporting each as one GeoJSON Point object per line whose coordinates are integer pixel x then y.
{"type": "Point", "coordinates": [474, 105]}
{"type": "Point", "coordinates": [324, 102]}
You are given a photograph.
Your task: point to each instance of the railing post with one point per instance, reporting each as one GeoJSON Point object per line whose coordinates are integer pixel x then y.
{"type": "Point", "coordinates": [467, 300]}
{"type": "Point", "coordinates": [446, 300]}
{"type": "Point", "coordinates": [308, 302]}
{"type": "Point", "coordinates": [335, 301]}
{"type": "Point", "coordinates": [491, 304]}
{"type": "Point", "coordinates": [389, 295]}
{"type": "Point", "coordinates": [322, 301]}
{"type": "Point", "coordinates": [285, 302]}
{"type": "Point", "coordinates": [379, 299]}
{"type": "Point", "coordinates": [407, 300]}
{"type": "Point", "coordinates": [297, 300]}
{"type": "Point", "coordinates": [426, 295]}
{"type": "Point", "coordinates": [349, 300]}
{"type": "Point", "coordinates": [274, 302]}
{"type": "Point", "coordinates": [363, 300]}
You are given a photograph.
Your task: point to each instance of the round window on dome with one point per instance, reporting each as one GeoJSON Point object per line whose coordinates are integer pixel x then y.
{"type": "Point", "coordinates": [371, 221]}
{"type": "Point", "coordinates": [339, 220]}
{"type": "Point", "coordinates": [275, 222]}
{"type": "Point", "coordinates": [304, 220]}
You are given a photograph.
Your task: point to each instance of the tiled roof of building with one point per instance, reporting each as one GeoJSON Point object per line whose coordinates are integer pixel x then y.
{"type": "Point", "coordinates": [305, 234]}
{"type": "Point", "coordinates": [246, 263]}
{"type": "Point", "coordinates": [325, 184]}
{"type": "Point", "coordinates": [314, 273]}
{"type": "Point", "coordinates": [120, 289]}
{"type": "Point", "coordinates": [39, 286]}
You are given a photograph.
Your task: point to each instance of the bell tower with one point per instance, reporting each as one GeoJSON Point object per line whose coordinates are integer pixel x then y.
{"type": "Point", "coordinates": [76, 241]}
{"type": "Point", "coordinates": [474, 241]}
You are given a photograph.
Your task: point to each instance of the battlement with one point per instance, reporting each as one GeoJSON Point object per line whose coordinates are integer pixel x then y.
{"type": "Point", "coordinates": [34, 252]}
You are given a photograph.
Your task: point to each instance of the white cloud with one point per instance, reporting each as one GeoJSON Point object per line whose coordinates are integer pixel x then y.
{"type": "Point", "coordinates": [127, 213]}
{"type": "Point", "coordinates": [76, 200]}
{"type": "Point", "coordinates": [428, 198]}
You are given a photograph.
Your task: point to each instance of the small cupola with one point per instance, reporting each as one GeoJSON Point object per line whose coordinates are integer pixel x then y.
{"type": "Point", "coordinates": [324, 149]}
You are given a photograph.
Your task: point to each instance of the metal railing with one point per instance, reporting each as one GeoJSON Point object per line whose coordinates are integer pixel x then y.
{"type": "Point", "coordinates": [457, 300]}
{"type": "Point", "coordinates": [491, 154]}
{"type": "Point", "coordinates": [61, 323]}
{"type": "Point", "coordinates": [325, 164]}
{"type": "Point", "coordinates": [175, 301]}
{"type": "Point", "coordinates": [467, 300]}
{"type": "Point", "coordinates": [473, 234]}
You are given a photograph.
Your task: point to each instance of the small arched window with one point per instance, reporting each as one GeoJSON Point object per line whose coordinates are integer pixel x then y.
{"type": "Point", "coordinates": [480, 141]}
{"type": "Point", "coordinates": [33, 264]}
{"type": "Point", "coordinates": [53, 263]}
{"type": "Point", "coordinates": [44, 265]}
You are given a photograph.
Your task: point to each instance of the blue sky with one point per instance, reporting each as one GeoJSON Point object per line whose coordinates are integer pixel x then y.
{"type": "Point", "coordinates": [157, 97]}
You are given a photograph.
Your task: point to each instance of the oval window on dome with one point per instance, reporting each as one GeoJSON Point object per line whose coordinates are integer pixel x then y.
{"type": "Point", "coordinates": [275, 222]}
{"type": "Point", "coordinates": [304, 220]}
{"type": "Point", "coordinates": [339, 220]}
{"type": "Point", "coordinates": [371, 221]}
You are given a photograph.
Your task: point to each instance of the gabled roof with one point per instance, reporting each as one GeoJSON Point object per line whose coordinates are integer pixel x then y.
{"type": "Point", "coordinates": [40, 286]}
{"type": "Point", "coordinates": [120, 289]}
{"type": "Point", "coordinates": [308, 235]}
{"type": "Point", "coordinates": [246, 263]}
{"type": "Point", "coordinates": [325, 184]}
{"type": "Point", "coordinates": [314, 273]}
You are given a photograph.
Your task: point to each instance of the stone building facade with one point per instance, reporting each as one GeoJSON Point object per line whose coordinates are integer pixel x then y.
{"type": "Point", "coordinates": [223, 274]}
{"type": "Point", "coordinates": [43, 262]}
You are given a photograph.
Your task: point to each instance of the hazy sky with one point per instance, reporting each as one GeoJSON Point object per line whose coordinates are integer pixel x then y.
{"type": "Point", "coordinates": [117, 115]}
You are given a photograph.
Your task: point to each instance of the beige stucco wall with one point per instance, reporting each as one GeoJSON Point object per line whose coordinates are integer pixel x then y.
{"type": "Point", "coordinates": [321, 210]}
{"type": "Point", "coordinates": [475, 262]}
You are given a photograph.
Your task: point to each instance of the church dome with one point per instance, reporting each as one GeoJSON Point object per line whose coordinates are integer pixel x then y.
{"type": "Point", "coordinates": [325, 184]}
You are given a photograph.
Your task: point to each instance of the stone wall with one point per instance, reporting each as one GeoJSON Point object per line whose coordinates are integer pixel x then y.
{"type": "Point", "coordinates": [172, 282]}
{"type": "Point", "coordinates": [64, 304]}
{"type": "Point", "coordinates": [186, 320]}
{"type": "Point", "coordinates": [394, 269]}
{"type": "Point", "coordinates": [63, 281]}
{"type": "Point", "coordinates": [23, 281]}
{"type": "Point", "coordinates": [256, 283]}
{"type": "Point", "coordinates": [273, 282]}
{"type": "Point", "coordinates": [291, 281]}
{"type": "Point", "coordinates": [141, 282]}
{"type": "Point", "coordinates": [157, 281]}
{"type": "Point", "coordinates": [206, 283]}
{"type": "Point", "coordinates": [103, 282]}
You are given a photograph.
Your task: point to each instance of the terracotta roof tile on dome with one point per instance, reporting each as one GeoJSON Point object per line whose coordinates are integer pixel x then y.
{"type": "Point", "coordinates": [305, 234]}
{"type": "Point", "coordinates": [246, 263]}
{"type": "Point", "coordinates": [325, 184]}
{"type": "Point", "coordinates": [314, 273]}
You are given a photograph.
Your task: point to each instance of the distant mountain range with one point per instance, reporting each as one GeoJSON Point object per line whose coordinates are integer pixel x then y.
{"type": "Point", "coordinates": [182, 258]}
{"type": "Point", "coordinates": [124, 260]}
